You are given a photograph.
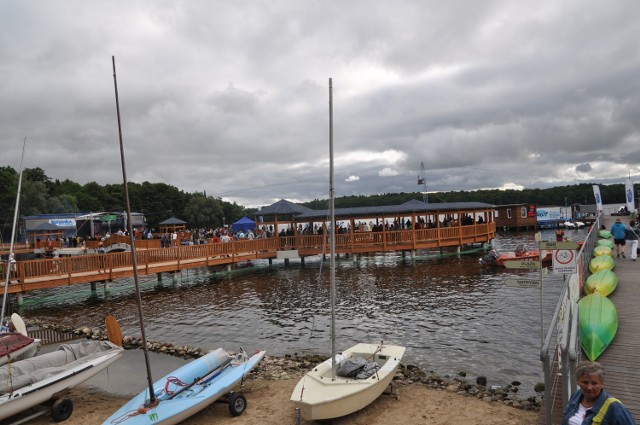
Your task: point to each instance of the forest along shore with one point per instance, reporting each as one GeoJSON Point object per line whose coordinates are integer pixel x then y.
{"type": "Point", "coordinates": [293, 367]}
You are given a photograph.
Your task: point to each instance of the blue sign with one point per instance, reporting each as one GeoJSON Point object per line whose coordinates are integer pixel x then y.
{"type": "Point", "coordinates": [63, 222]}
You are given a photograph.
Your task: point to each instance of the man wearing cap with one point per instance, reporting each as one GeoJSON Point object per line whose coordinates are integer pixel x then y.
{"type": "Point", "coordinates": [618, 231]}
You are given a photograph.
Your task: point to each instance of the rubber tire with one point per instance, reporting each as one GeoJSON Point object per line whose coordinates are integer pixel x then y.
{"type": "Point", "coordinates": [61, 409]}
{"type": "Point", "coordinates": [237, 404]}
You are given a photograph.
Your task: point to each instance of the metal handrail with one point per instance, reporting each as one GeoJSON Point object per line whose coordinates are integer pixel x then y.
{"type": "Point", "coordinates": [569, 353]}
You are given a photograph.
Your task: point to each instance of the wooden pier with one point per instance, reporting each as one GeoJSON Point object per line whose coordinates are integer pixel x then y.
{"type": "Point", "coordinates": [621, 359]}
{"type": "Point", "coordinates": [90, 268]}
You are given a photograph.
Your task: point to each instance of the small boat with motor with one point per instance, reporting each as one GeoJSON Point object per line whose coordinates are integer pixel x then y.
{"type": "Point", "coordinates": [521, 253]}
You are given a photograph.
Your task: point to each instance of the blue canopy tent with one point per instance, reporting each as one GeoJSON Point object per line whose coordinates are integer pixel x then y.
{"type": "Point", "coordinates": [243, 224]}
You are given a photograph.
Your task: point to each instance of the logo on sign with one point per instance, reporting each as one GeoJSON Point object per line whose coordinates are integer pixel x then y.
{"type": "Point", "coordinates": [63, 222]}
{"type": "Point", "coordinates": [629, 196]}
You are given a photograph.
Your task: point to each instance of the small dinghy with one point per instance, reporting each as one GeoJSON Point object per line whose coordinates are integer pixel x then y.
{"type": "Point", "coordinates": [189, 389]}
{"type": "Point", "coordinates": [17, 345]}
{"type": "Point", "coordinates": [48, 377]}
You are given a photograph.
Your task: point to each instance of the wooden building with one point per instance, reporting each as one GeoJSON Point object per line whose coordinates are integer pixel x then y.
{"type": "Point", "coordinates": [516, 217]}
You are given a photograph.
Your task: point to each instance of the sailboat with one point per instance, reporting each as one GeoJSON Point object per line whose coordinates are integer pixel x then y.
{"type": "Point", "coordinates": [352, 379]}
{"type": "Point", "coordinates": [47, 378]}
{"type": "Point", "coordinates": [15, 345]}
{"type": "Point", "coordinates": [194, 386]}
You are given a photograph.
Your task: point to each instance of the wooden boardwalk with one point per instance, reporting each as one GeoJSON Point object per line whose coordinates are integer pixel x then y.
{"type": "Point", "coordinates": [622, 358]}
{"type": "Point", "coordinates": [92, 267]}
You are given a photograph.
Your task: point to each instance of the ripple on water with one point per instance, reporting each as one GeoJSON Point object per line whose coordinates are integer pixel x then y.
{"type": "Point", "coordinates": [450, 313]}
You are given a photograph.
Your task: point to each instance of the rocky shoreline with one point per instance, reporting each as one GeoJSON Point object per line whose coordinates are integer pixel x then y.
{"type": "Point", "coordinates": [293, 366]}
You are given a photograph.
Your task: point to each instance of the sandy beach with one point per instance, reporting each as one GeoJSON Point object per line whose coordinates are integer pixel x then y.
{"type": "Point", "coordinates": [268, 404]}
{"type": "Point", "coordinates": [268, 401]}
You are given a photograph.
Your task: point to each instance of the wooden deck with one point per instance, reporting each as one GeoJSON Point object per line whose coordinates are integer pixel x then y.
{"type": "Point", "coordinates": [48, 273]}
{"type": "Point", "coordinates": [621, 359]}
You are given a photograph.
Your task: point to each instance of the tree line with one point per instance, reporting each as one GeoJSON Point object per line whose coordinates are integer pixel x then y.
{"type": "Point", "coordinates": [158, 201]}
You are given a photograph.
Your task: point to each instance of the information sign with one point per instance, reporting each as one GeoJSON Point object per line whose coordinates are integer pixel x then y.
{"type": "Point", "coordinates": [522, 264]}
{"type": "Point", "coordinates": [559, 245]}
{"type": "Point", "coordinates": [564, 261]}
{"type": "Point", "coordinates": [522, 283]}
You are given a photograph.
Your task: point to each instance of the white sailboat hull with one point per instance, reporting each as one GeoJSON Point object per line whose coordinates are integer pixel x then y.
{"type": "Point", "coordinates": [318, 396]}
{"type": "Point", "coordinates": [65, 374]}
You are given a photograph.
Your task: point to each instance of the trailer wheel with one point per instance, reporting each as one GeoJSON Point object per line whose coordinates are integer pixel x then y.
{"type": "Point", "coordinates": [61, 409]}
{"type": "Point", "coordinates": [237, 404]}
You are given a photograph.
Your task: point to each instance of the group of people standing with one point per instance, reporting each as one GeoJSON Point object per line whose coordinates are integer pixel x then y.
{"type": "Point", "coordinates": [623, 235]}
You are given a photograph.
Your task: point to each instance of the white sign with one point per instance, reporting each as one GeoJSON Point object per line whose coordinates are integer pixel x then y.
{"type": "Point", "coordinates": [564, 261]}
{"type": "Point", "coordinates": [63, 222]}
{"type": "Point", "coordinates": [558, 245]}
{"type": "Point", "coordinates": [522, 283]}
{"type": "Point", "coordinates": [522, 264]}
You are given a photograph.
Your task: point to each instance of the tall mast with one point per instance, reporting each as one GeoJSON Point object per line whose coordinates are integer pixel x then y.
{"type": "Point", "coordinates": [332, 236]}
{"type": "Point", "coordinates": [134, 261]}
{"type": "Point", "coordinates": [13, 234]}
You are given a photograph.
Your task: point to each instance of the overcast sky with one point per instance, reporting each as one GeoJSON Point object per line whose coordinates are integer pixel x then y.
{"type": "Point", "coordinates": [232, 97]}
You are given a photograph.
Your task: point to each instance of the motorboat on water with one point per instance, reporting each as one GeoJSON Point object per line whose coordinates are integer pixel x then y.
{"type": "Point", "coordinates": [493, 258]}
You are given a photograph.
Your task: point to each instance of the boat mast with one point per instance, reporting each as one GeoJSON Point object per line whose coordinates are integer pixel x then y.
{"type": "Point", "coordinates": [134, 261]}
{"type": "Point", "coordinates": [13, 235]}
{"type": "Point", "coordinates": [332, 236]}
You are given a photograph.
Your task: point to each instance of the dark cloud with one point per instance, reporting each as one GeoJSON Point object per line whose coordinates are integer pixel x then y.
{"type": "Point", "coordinates": [233, 98]}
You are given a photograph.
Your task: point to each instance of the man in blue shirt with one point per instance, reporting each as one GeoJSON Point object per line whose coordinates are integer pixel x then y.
{"type": "Point", "coordinates": [618, 231]}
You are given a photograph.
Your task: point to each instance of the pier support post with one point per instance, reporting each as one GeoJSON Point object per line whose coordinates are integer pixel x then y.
{"type": "Point", "coordinates": [20, 298]}
{"type": "Point", "coordinates": [404, 254]}
{"type": "Point", "coordinates": [174, 278]}
{"type": "Point", "coordinates": [159, 277]}
{"type": "Point", "coordinates": [228, 268]}
{"type": "Point", "coordinates": [94, 287]}
{"type": "Point", "coordinates": [105, 287]}
{"type": "Point", "coordinates": [302, 261]}
{"type": "Point", "coordinates": [286, 262]}
{"type": "Point", "coordinates": [270, 262]}
{"type": "Point", "coordinates": [441, 251]}
{"type": "Point", "coordinates": [354, 258]}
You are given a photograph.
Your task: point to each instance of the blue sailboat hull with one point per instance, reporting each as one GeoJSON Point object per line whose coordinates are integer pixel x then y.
{"type": "Point", "coordinates": [186, 390]}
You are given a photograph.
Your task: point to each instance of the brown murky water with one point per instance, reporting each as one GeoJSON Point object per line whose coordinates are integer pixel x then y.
{"type": "Point", "coordinates": [452, 314]}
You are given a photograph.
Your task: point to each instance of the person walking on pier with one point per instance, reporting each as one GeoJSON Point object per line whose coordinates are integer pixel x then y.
{"type": "Point", "coordinates": [591, 404]}
{"type": "Point", "coordinates": [632, 238]}
{"type": "Point", "coordinates": [618, 231]}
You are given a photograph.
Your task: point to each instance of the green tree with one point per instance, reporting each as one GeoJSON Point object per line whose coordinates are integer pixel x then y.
{"type": "Point", "coordinates": [203, 212]}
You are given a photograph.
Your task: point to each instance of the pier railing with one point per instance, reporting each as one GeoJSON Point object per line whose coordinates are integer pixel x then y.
{"type": "Point", "coordinates": [561, 349]}
{"type": "Point", "coordinates": [91, 267]}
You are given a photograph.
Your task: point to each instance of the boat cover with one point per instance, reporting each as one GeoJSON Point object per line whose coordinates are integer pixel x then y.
{"type": "Point", "coordinates": [12, 341]}
{"type": "Point", "coordinates": [357, 368]}
{"type": "Point", "coordinates": [67, 356]}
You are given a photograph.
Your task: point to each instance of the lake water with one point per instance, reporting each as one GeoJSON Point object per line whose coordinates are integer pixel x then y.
{"type": "Point", "coordinates": [452, 314]}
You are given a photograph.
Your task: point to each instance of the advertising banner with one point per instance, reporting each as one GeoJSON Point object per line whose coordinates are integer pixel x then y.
{"type": "Point", "coordinates": [628, 189]}
{"type": "Point", "coordinates": [596, 194]}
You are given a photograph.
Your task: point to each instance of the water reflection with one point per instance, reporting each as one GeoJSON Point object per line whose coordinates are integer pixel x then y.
{"type": "Point", "coordinates": [450, 313]}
